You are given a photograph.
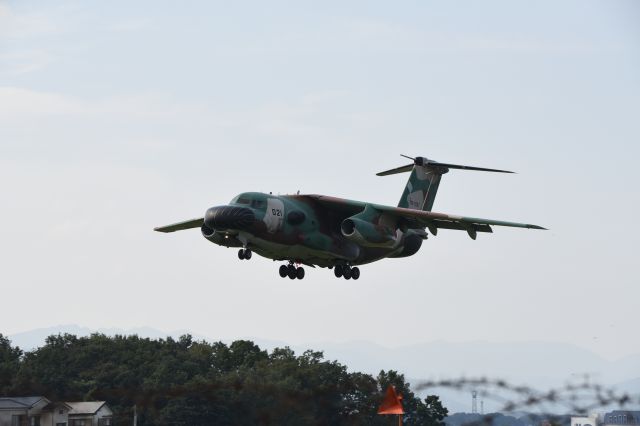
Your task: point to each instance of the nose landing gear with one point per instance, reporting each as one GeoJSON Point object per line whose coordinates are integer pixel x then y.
{"type": "Point", "coordinates": [244, 254]}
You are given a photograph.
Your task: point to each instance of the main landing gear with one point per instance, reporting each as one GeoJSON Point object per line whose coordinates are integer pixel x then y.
{"type": "Point", "coordinates": [347, 272]}
{"type": "Point", "coordinates": [244, 254]}
{"type": "Point", "coordinates": [291, 271]}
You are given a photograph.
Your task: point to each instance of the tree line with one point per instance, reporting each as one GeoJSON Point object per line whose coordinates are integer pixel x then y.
{"type": "Point", "coordinates": [187, 382]}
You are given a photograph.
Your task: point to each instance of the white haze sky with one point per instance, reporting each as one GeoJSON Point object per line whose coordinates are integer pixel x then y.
{"type": "Point", "coordinates": [119, 116]}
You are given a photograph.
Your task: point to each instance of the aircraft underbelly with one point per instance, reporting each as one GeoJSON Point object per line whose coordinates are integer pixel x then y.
{"type": "Point", "coordinates": [305, 254]}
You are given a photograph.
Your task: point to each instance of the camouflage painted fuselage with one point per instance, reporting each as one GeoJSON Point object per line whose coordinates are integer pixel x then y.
{"type": "Point", "coordinates": [328, 231]}
{"type": "Point", "coordinates": [300, 229]}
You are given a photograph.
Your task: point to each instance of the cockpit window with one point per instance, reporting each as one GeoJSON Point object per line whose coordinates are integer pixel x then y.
{"type": "Point", "coordinates": [248, 200]}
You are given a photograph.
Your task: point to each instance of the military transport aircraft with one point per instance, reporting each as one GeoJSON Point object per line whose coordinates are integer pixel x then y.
{"type": "Point", "coordinates": [337, 233]}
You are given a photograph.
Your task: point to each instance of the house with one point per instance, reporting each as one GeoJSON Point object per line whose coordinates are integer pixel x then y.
{"type": "Point", "coordinates": [39, 411]}
{"type": "Point", "coordinates": [585, 421]}
{"type": "Point", "coordinates": [622, 417]}
{"type": "Point", "coordinates": [32, 411]}
{"type": "Point", "coordinates": [90, 413]}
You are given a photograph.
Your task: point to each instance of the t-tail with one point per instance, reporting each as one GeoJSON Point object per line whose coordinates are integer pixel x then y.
{"type": "Point", "coordinates": [422, 186]}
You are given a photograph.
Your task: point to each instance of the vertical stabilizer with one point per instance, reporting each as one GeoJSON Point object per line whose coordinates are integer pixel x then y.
{"type": "Point", "coordinates": [424, 180]}
{"type": "Point", "coordinates": [422, 187]}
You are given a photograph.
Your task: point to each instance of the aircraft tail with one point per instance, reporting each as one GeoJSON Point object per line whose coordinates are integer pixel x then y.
{"type": "Point", "coordinates": [422, 186]}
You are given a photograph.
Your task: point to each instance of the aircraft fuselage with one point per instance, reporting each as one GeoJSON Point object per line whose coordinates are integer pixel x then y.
{"type": "Point", "coordinates": [297, 228]}
{"type": "Point", "coordinates": [338, 233]}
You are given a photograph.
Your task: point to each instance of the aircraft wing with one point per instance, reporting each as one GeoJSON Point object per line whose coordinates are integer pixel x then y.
{"type": "Point", "coordinates": [187, 224]}
{"type": "Point", "coordinates": [423, 219]}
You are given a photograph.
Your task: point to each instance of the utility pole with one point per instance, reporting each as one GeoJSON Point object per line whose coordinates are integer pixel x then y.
{"type": "Point", "coordinates": [135, 415]}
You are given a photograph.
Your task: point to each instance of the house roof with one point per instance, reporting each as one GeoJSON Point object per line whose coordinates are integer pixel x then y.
{"type": "Point", "coordinates": [20, 402]}
{"type": "Point", "coordinates": [86, 407]}
{"type": "Point", "coordinates": [57, 405]}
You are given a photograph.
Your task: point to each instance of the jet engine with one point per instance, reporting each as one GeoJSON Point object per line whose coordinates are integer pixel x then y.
{"type": "Point", "coordinates": [211, 234]}
{"type": "Point", "coordinates": [410, 245]}
{"type": "Point", "coordinates": [219, 238]}
{"type": "Point", "coordinates": [367, 233]}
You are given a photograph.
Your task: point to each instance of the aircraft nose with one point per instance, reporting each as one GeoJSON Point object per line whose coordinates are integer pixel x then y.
{"type": "Point", "coordinates": [229, 217]}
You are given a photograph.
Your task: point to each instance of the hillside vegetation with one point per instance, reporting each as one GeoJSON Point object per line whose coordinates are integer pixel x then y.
{"type": "Point", "coordinates": [187, 382]}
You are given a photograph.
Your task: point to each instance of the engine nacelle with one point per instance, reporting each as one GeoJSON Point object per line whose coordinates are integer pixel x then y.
{"type": "Point", "coordinates": [219, 238]}
{"type": "Point", "coordinates": [367, 233]}
{"type": "Point", "coordinates": [211, 234]}
{"type": "Point", "coordinates": [410, 245]}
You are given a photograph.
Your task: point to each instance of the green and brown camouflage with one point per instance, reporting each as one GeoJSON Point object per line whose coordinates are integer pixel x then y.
{"type": "Point", "coordinates": [422, 187]}
{"type": "Point", "coordinates": [318, 230]}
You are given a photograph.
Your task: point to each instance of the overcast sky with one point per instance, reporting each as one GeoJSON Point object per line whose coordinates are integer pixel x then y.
{"type": "Point", "coordinates": [119, 116]}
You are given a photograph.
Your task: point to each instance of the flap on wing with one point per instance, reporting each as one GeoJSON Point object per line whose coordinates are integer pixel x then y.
{"type": "Point", "coordinates": [433, 221]}
{"type": "Point", "coordinates": [187, 224]}
{"type": "Point", "coordinates": [441, 224]}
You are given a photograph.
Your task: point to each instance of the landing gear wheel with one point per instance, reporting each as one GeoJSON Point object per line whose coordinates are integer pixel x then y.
{"type": "Point", "coordinates": [346, 273]}
{"type": "Point", "coordinates": [244, 254]}
{"type": "Point", "coordinates": [283, 271]}
{"type": "Point", "coordinates": [291, 272]}
{"type": "Point", "coordinates": [355, 273]}
{"type": "Point", "coordinates": [337, 271]}
{"type": "Point", "coordinates": [300, 273]}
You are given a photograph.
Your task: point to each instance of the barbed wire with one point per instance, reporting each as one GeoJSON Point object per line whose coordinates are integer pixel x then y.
{"type": "Point", "coordinates": [579, 398]}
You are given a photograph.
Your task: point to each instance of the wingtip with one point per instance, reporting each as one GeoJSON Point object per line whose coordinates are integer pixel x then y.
{"type": "Point", "coordinates": [537, 227]}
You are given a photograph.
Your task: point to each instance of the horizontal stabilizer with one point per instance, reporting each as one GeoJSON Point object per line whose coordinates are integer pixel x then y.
{"type": "Point", "coordinates": [460, 167]}
{"type": "Point", "coordinates": [402, 169]}
{"type": "Point", "coordinates": [187, 224]}
{"type": "Point", "coordinates": [425, 162]}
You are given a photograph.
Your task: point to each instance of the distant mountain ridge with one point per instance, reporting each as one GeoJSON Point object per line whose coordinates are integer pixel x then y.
{"type": "Point", "coordinates": [538, 364]}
